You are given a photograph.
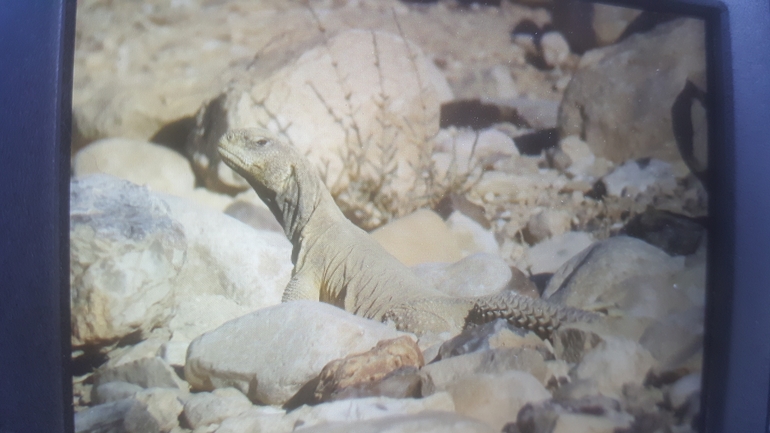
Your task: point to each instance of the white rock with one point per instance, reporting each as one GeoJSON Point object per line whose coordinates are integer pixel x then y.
{"type": "Point", "coordinates": [164, 405]}
{"type": "Point", "coordinates": [420, 237]}
{"type": "Point", "coordinates": [144, 349]}
{"type": "Point", "coordinates": [438, 376]}
{"type": "Point", "coordinates": [675, 338]}
{"type": "Point", "coordinates": [196, 314]}
{"type": "Point", "coordinates": [548, 223]}
{"type": "Point", "coordinates": [555, 49]}
{"type": "Point", "coordinates": [465, 148]}
{"type": "Point", "coordinates": [523, 188]}
{"type": "Point", "coordinates": [123, 416]}
{"type": "Point", "coordinates": [257, 419]}
{"type": "Point", "coordinates": [358, 90]}
{"type": "Point", "coordinates": [609, 22]}
{"type": "Point", "coordinates": [209, 199]}
{"type": "Point", "coordinates": [369, 408]}
{"type": "Point", "coordinates": [113, 391]}
{"type": "Point", "coordinates": [146, 372]}
{"type": "Point", "coordinates": [597, 275]}
{"type": "Point", "coordinates": [471, 236]}
{"type": "Point", "coordinates": [174, 352]}
{"type": "Point", "coordinates": [429, 422]}
{"type": "Point", "coordinates": [613, 363]}
{"type": "Point", "coordinates": [583, 423]}
{"type": "Point", "coordinates": [550, 255]}
{"type": "Point", "coordinates": [228, 258]}
{"type": "Point", "coordinates": [126, 251]}
{"type": "Point", "coordinates": [683, 389]}
{"type": "Point", "coordinates": [158, 167]}
{"type": "Point", "coordinates": [632, 179]}
{"type": "Point", "coordinates": [476, 275]}
{"type": "Point", "coordinates": [271, 353]}
{"type": "Point", "coordinates": [585, 165]}
{"type": "Point", "coordinates": [206, 408]}
{"type": "Point", "coordinates": [496, 398]}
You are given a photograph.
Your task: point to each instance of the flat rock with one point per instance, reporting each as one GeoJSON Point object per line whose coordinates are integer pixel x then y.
{"type": "Point", "coordinates": [109, 392]}
{"type": "Point", "coordinates": [145, 372]}
{"type": "Point", "coordinates": [476, 275]}
{"type": "Point", "coordinates": [587, 415]}
{"type": "Point", "coordinates": [439, 375]}
{"type": "Point", "coordinates": [123, 416]}
{"type": "Point", "coordinates": [258, 217]}
{"type": "Point", "coordinates": [550, 255]}
{"type": "Point", "coordinates": [599, 272]}
{"type": "Point", "coordinates": [684, 389]}
{"type": "Point", "coordinates": [583, 164]}
{"type": "Point", "coordinates": [195, 315]}
{"type": "Point", "coordinates": [148, 348]}
{"type": "Point", "coordinates": [228, 258]}
{"type": "Point", "coordinates": [620, 73]}
{"type": "Point", "coordinates": [429, 422]}
{"type": "Point", "coordinates": [140, 162]}
{"type": "Point", "coordinates": [496, 398]}
{"type": "Point", "coordinates": [368, 409]}
{"type": "Point", "coordinates": [471, 236]}
{"type": "Point", "coordinates": [612, 364]}
{"type": "Point", "coordinates": [420, 237]}
{"type": "Point", "coordinates": [498, 334]}
{"type": "Point", "coordinates": [126, 251]}
{"type": "Point", "coordinates": [547, 223]}
{"type": "Point", "coordinates": [362, 369]}
{"type": "Point", "coordinates": [634, 178]}
{"type": "Point", "coordinates": [164, 405]}
{"type": "Point", "coordinates": [257, 419]}
{"type": "Point", "coordinates": [206, 408]}
{"type": "Point", "coordinates": [271, 353]}
{"type": "Point", "coordinates": [676, 338]}
{"type": "Point", "coordinates": [468, 148]}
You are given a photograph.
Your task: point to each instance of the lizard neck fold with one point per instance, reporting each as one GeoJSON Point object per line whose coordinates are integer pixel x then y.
{"type": "Point", "coordinates": [297, 206]}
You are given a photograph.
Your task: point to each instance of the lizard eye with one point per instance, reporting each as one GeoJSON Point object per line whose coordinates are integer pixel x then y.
{"type": "Point", "coordinates": [262, 142]}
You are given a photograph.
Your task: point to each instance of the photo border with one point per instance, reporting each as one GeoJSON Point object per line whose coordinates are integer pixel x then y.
{"type": "Point", "coordinates": [36, 54]}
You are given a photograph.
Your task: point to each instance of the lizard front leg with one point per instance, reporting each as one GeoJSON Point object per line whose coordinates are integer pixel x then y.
{"type": "Point", "coordinates": [302, 286]}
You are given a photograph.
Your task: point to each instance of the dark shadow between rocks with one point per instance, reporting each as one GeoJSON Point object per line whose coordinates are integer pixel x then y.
{"type": "Point", "coordinates": [536, 142]}
{"type": "Point", "coordinates": [305, 395]}
{"type": "Point", "coordinates": [477, 115]}
{"type": "Point", "coordinates": [174, 134]}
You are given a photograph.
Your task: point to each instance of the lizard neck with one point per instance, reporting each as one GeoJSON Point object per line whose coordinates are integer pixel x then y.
{"type": "Point", "coordinates": [300, 205]}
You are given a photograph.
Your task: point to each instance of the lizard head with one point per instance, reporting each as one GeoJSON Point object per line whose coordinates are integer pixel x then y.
{"type": "Point", "coordinates": [260, 156]}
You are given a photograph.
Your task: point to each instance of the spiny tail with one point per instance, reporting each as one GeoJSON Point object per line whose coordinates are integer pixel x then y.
{"type": "Point", "coordinates": [537, 315]}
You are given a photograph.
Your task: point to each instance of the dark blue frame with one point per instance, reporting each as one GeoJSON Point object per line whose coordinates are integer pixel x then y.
{"type": "Point", "coordinates": [36, 49]}
{"type": "Point", "coordinates": [36, 52]}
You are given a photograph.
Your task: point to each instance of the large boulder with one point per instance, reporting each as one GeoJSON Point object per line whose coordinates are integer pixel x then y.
{"type": "Point", "coordinates": [271, 353]}
{"type": "Point", "coordinates": [622, 272]}
{"type": "Point", "coordinates": [126, 251]}
{"type": "Point", "coordinates": [138, 161]}
{"type": "Point", "coordinates": [141, 260]}
{"type": "Point", "coordinates": [358, 105]}
{"type": "Point", "coordinates": [619, 100]}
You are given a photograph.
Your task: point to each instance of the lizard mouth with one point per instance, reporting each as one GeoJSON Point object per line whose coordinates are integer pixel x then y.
{"type": "Point", "coordinates": [229, 157]}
